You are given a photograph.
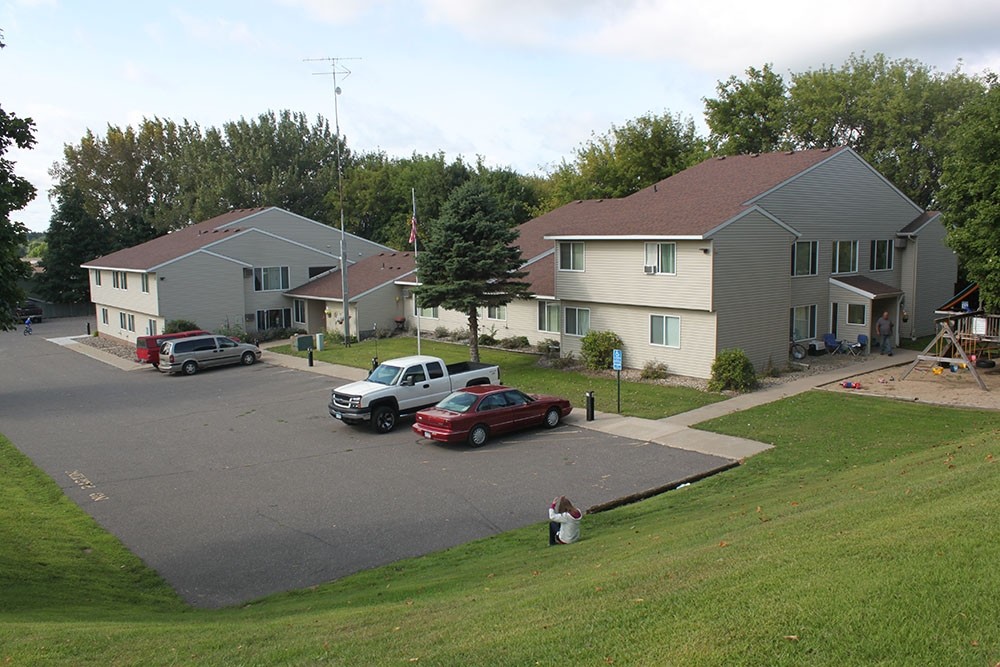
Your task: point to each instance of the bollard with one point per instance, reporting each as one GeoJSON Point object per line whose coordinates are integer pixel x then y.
{"type": "Point", "coordinates": [310, 356]}
{"type": "Point", "coordinates": [88, 328]}
{"type": "Point", "coordinates": [590, 405]}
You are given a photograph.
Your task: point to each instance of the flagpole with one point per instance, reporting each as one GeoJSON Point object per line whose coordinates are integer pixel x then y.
{"type": "Point", "coordinates": [413, 234]}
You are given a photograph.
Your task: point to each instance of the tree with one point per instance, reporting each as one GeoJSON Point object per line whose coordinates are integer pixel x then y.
{"type": "Point", "coordinates": [750, 116]}
{"type": "Point", "coordinates": [469, 260]}
{"type": "Point", "coordinates": [970, 193]}
{"type": "Point", "coordinates": [627, 159]}
{"type": "Point", "coordinates": [74, 237]}
{"type": "Point", "coordinates": [15, 193]}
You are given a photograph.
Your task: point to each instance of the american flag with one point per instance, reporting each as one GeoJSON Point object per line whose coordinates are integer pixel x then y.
{"type": "Point", "coordinates": [413, 229]}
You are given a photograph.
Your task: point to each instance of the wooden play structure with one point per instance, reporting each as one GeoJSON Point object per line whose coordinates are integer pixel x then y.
{"type": "Point", "coordinates": [963, 340]}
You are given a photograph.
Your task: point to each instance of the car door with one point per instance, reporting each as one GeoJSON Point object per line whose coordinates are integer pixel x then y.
{"type": "Point", "coordinates": [494, 412]}
{"type": "Point", "coordinates": [227, 351]}
{"type": "Point", "coordinates": [204, 350]}
{"type": "Point", "coordinates": [414, 390]}
{"type": "Point", "coordinates": [525, 413]}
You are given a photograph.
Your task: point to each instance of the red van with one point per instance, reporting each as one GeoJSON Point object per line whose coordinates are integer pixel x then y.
{"type": "Point", "coordinates": [147, 348]}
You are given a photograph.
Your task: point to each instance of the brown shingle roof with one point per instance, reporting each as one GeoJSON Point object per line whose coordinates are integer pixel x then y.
{"type": "Point", "coordinates": [150, 254]}
{"type": "Point", "coordinates": [366, 275]}
{"type": "Point", "coordinates": [693, 202]}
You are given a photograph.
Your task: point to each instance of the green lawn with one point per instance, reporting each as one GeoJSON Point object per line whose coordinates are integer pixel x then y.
{"type": "Point", "coordinates": [523, 371]}
{"type": "Point", "coordinates": [866, 536]}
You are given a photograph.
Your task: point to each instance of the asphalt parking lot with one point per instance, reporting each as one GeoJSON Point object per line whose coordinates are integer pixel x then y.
{"type": "Point", "coordinates": [235, 483]}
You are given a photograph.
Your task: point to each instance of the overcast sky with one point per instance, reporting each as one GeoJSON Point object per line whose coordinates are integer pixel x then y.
{"type": "Point", "coordinates": [521, 83]}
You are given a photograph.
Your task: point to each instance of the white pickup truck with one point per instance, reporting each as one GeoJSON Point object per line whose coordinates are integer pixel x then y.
{"type": "Point", "coordinates": [403, 386]}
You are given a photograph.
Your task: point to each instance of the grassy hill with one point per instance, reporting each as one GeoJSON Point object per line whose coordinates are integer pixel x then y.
{"type": "Point", "coordinates": [868, 535]}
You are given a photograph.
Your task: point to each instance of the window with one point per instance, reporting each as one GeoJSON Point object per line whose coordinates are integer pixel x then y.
{"type": "Point", "coordinates": [803, 322]}
{"type": "Point", "coordinates": [121, 320]}
{"type": "Point", "coordinates": [435, 370]}
{"type": "Point", "coordinates": [104, 315]}
{"type": "Point", "coordinates": [275, 318]}
{"type": "Point", "coordinates": [665, 330]}
{"type": "Point", "coordinates": [571, 256]}
{"type": "Point", "coordinates": [414, 374]}
{"type": "Point", "coordinates": [881, 258]}
{"type": "Point", "coordinates": [857, 313]}
{"type": "Point", "coordinates": [548, 316]}
{"type": "Point", "coordinates": [97, 278]}
{"type": "Point", "coordinates": [577, 321]}
{"type": "Point", "coordinates": [661, 257]}
{"type": "Point", "coordinates": [131, 322]}
{"type": "Point", "coordinates": [270, 278]}
{"type": "Point", "coordinates": [126, 321]}
{"type": "Point", "coordinates": [299, 307]}
{"type": "Point", "coordinates": [119, 279]}
{"type": "Point", "coordinates": [144, 280]}
{"type": "Point", "coordinates": [493, 313]}
{"type": "Point", "coordinates": [845, 256]}
{"type": "Point", "coordinates": [150, 327]}
{"type": "Point", "coordinates": [424, 312]}
{"type": "Point", "coordinates": [805, 258]}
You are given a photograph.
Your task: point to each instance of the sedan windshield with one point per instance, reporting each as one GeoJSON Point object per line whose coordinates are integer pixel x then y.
{"type": "Point", "coordinates": [385, 374]}
{"type": "Point", "coordinates": [460, 401]}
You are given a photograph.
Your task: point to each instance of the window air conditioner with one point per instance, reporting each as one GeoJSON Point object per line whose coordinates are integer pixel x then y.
{"type": "Point", "coordinates": [649, 268]}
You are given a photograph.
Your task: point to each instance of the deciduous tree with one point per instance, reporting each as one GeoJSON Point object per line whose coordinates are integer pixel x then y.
{"type": "Point", "coordinates": [15, 193]}
{"type": "Point", "coordinates": [74, 238]}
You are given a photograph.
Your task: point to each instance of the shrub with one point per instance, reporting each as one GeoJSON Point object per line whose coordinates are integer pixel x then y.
{"type": "Point", "coordinates": [488, 336]}
{"type": "Point", "coordinates": [549, 347]}
{"type": "Point", "coordinates": [177, 326]}
{"type": "Point", "coordinates": [515, 343]}
{"type": "Point", "coordinates": [653, 370]}
{"type": "Point", "coordinates": [569, 361]}
{"type": "Point", "coordinates": [441, 332]}
{"type": "Point", "coordinates": [597, 349]}
{"type": "Point", "coordinates": [459, 335]}
{"type": "Point", "coordinates": [732, 370]}
{"type": "Point", "coordinates": [232, 331]}
{"type": "Point", "coordinates": [275, 333]}
{"type": "Point", "coordinates": [337, 338]}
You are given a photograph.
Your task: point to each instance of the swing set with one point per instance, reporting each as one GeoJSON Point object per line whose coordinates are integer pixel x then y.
{"type": "Point", "coordinates": [963, 340]}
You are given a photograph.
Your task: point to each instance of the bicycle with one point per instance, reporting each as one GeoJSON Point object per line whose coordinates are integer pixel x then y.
{"type": "Point", "coordinates": [796, 351]}
{"type": "Point", "coordinates": [27, 327]}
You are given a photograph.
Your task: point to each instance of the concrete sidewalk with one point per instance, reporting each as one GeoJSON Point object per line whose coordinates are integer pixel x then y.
{"type": "Point", "coordinates": [673, 431]}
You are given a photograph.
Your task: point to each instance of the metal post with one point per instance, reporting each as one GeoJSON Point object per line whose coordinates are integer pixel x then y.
{"type": "Point", "coordinates": [310, 356]}
{"type": "Point", "coordinates": [88, 328]}
{"type": "Point", "coordinates": [590, 405]}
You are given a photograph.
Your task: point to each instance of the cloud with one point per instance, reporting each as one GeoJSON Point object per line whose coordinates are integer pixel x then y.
{"type": "Point", "coordinates": [217, 30]}
{"type": "Point", "coordinates": [340, 12]}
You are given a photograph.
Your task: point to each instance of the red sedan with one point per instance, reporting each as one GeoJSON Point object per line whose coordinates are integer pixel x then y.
{"type": "Point", "coordinates": [473, 414]}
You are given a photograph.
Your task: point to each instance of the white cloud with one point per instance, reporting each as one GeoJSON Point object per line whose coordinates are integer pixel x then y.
{"type": "Point", "coordinates": [217, 30]}
{"type": "Point", "coordinates": [340, 12]}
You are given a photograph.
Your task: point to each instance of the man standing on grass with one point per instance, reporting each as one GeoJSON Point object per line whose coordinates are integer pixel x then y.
{"type": "Point", "coordinates": [883, 328]}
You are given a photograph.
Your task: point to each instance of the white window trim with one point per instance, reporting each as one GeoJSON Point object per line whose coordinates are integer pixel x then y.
{"type": "Point", "coordinates": [543, 311]}
{"type": "Point", "coordinates": [583, 256]}
{"type": "Point", "coordinates": [809, 335]}
{"type": "Point", "coordinates": [576, 320]}
{"type": "Point", "coordinates": [891, 250]}
{"type": "Point", "coordinates": [283, 274]}
{"type": "Point", "coordinates": [664, 319]}
{"type": "Point", "coordinates": [813, 259]}
{"type": "Point", "coordinates": [836, 257]}
{"type": "Point", "coordinates": [864, 314]}
{"type": "Point", "coordinates": [656, 246]}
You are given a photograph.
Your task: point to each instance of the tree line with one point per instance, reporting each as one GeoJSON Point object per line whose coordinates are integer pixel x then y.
{"type": "Point", "coordinates": [924, 130]}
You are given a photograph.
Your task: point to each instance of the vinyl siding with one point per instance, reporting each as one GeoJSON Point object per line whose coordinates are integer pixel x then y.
{"type": "Point", "coordinates": [522, 320]}
{"type": "Point", "coordinates": [142, 306]}
{"type": "Point", "coordinates": [613, 273]}
{"type": "Point", "coordinates": [692, 358]}
{"type": "Point", "coordinates": [378, 309]}
{"type": "Point", "coordinates": [753, 289]}
{"type": "Point", "coordinates": [309, 232]}
{"type": "Point", "coordinates": [936, 275]}
{"type": "Point", "coordinates": [205, 290]}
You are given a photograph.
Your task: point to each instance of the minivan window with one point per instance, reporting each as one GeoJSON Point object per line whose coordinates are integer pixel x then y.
{"type": "Point", "coordinates": [226, 342]}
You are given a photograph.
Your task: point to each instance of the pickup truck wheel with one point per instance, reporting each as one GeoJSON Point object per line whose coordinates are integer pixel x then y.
{"type": "Point", "coordinates": [478, 436]}
{"type": "Point", "coordinates": [552, 418]}
{"type": "Point", "coordinates": [189, 368]}
{"type": "Point", "coordinates": [384, 419]}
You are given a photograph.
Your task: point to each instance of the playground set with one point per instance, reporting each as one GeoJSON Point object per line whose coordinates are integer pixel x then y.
{"type": "Point", "coordinates": [963, 341]}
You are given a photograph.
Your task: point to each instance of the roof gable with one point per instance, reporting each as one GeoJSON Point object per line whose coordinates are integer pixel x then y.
{"type": "Point", "coordinates": [362, 277]}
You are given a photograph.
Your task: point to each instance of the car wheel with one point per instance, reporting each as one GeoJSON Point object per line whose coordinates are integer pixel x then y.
{"type": "Point", "coordinates": [384, 419]}
{"type": "Point", "coordinates": [478, 436]}
{"type": "Point", "coordinates": [552, 418]}
{"type": "Point", "coordinates": [189, 368]}
{"type": "Point", "coordinates": [248, 358]}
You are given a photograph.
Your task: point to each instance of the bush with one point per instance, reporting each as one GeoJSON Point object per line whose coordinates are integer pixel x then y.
{"type": "Point", "coordinates": [549, 347]}
{"type": "Point", "coordinates": [562, 363]}
{"type": "Point", "coordinates": [597, 349]}
{"type": "Point", "coordinates": [275, 333]}
{"type": "Point", "coordinates": [515, 343]}
{"type": "Point", "coordinates": [441, 332]}
{"type": "Point", "coordinates": [732, 370]}
{"type": "Point", "coordinates": [488, 337]}
{"type": "Point", "coordinates": [177, 326]}
{"type": "Point", "coordinates": [233, 331]}
{"type": "Point", "coordinates": [337, 338]}
{"type": "Point", "coordinates": [458, 335]}
{"type": "Point", "coordinates": [653, 370]}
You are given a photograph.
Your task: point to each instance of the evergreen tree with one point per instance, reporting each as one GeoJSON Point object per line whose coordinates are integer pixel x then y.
{"type": "Point", "coordinates": [74, 238]}
{"type": "Point", "coordinates": [469, 260]}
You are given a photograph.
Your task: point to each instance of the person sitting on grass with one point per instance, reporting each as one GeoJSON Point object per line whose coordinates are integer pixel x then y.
{"type": "Point", "coordinates": [564, 522]}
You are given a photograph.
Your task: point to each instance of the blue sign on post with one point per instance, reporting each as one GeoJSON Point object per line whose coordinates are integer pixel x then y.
{"type": "Point", "coordinates": [616, 360]}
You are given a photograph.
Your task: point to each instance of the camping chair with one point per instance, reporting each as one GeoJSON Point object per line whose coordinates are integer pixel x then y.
{"type": "Point", "coordinates": [833, 346]}
{"type": "Point", "coordinates": [860, 348]}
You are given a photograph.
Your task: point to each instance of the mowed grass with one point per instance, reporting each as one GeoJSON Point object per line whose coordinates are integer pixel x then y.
{"type": "Point", "coordinates": [522, 370]}
{"type": "Point", "coordinates": [868, 535]}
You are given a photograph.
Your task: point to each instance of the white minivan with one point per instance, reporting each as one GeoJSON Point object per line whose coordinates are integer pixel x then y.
{"type": "Point", "coordinates": [189, 355]}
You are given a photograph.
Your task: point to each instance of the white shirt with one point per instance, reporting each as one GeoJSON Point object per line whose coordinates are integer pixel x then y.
{"type": "Point", "coordinates": [569, 532]}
